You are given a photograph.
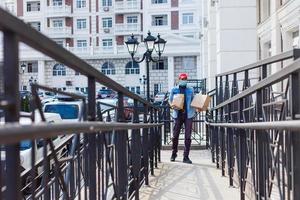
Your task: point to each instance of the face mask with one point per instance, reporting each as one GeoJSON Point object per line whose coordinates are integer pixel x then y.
{"type": "Point", "coordinates": [182, 83]}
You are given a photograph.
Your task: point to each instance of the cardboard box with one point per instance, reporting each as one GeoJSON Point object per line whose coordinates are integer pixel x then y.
{"type": "Point", "coordinates": [178, 101]}
{"type": "Point", "coordinates": [200, 102]}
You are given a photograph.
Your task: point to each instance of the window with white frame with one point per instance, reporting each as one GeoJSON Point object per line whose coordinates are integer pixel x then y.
{"type": "Point", "coordinates": [32, 67]}
{"type": "Point", "coordinates": [59, 70]}
{"type": "Point", "coordinates": [161, 65]}
{"type": "Point", "coordinates": [159, 20]}
{"type": "Point", "coordinates": [107, 22]}
{"type": "Point", "coordinates": [132, 19]}
{"type": "Point", "coordinates": [10, 6]}
{"type": "Point", "coordinates": [295, 36]}
{"type": "Point", "coordinates": [159, 1]}
{"type": "Point", "coordinates": [57, 2]}
{"type": "Point", "coordinates": [81, 43]}
{"type": "Point", "coordinates": [35, 25]}
{"type": "Point", "coordinates": [187, 18]}
{"type": "Point", "coordinates": [81, 23]}
{"type": "Point", "coordinates": [189, 62]}
{"type": "Point", "coordinates": [132, 68]}
{"type": "Point", "coordinates": [57, 23]}
{"type": "Point", "coordinates": [106, 2]}
{"type": "Point", "coordinates": [108, 68]}
{"type": "Point", "coordinates": [33, 6]}
{"type": "Point", "coordinates": [80, 3]}
{"type": "Point", "coordinates": [107, 44]}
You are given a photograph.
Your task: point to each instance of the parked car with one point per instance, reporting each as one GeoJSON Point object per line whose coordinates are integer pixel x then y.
{"type": "Point", "coordinates": [26, 147]}
{"type": "Point", "coordinates": [105, 93]}
{"type": "Point", "coordinates": [46, 94]}
{"type": "Point", "coordinates": [159, 98]}
{"type": "Point", "coordinates": [68, 110]}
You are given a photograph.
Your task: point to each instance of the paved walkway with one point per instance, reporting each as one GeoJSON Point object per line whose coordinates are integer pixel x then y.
{"type": "Point", "coordinates": [179, 181]}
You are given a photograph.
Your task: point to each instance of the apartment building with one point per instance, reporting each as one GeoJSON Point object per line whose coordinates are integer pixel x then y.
{"type": "Point", "coordinates": [278, 24]}
{"type": "Point", "coordinates": [96, 30]}
{"type": "Point", "coordinates": [229, 28]}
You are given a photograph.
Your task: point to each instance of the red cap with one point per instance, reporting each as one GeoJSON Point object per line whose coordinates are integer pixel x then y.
{"type": "Point", "coordinates": [183, 76]}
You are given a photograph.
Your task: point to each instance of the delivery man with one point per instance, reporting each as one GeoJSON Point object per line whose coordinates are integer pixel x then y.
{"type": "Point", "coordinates": [182, 116]}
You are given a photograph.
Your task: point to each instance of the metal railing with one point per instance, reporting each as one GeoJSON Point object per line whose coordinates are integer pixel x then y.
{"type": "Point", "coordinates": [253, 131]}
{"type": "Point", "coordinates": [94, 160]}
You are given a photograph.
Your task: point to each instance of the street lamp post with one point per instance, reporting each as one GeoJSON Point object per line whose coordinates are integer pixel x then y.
{"type": "Point", "coordinates": [23, 67]}
{"type": "Point", "coordinates": [151, 43]}
{"type": "Point", "coordinates": [143, 81]}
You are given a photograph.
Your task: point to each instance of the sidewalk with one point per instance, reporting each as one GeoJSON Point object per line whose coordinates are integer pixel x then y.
{"type": "Point", "coordinates": [179, 181]}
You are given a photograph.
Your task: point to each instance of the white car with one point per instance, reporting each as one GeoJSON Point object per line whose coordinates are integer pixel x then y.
{"type": "Point", "coordinates": [69, 111]}
{"type": "Point", "coordinates": [26, 145]}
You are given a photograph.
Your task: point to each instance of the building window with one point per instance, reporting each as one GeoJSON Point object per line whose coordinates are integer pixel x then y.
{"type": "Point", "coordinates": [77, 73]}
{"type": "Point", "coordinates": [156, 86]}
{"type": "Point", "coordinates": [107, 22]}
{"type": "Point", "coordinates": [159, 1]}
{"type": "Point", "coordinates": [59, 70]}
{"type": "Point", "coordinates": [108, 68]}
{"type": "Point", "coordinates": [81, 43]}
{"type": "Point", "coordinates": [35, 25]}
{"type": "Point", "coordinates": [80, 3]}
{"type": "Point", "coordinates": [107, 44]}
{"type": "Point", "coordinates": [57, 23]}
{"type": "Point", "coordinates": [189, 62]}
{"type": "Point", "coordinates": [57, 2]}
{"type": "Point", "coordinates": [159, 20]}
{"type": "Point", "coordinates": [81, 23]}
{"type": "Point", "coordinates": [132, 68]}
{"type": "Point", "coordinates": [188, 18]}
{"type": "Point", "coordinates": [33, 6]}
{"type": "Point", "coordinates": [295, 36]}
{"type": "Point", "coordinates": [132, 20]}
{"type": "Point", "coordinates": [106, 2]}
{"type": "Point", "coordinates": [161, 65]}
{"type": "Point", "coordinates": [32, 67]}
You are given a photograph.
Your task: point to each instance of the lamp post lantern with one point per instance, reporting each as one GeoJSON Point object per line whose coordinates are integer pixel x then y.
{"type": "Point", "coordinates": [151, 43]}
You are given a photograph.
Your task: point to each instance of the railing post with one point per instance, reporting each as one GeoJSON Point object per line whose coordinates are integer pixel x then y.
{"type": "Point", "coordinates": [121, 153]}
{"type": "Point", "coordinates": [295, 137]}
{"type": "Point", "coordinates": [11, 89]}
{"type": "Point", "coordinates": [260, 150]}
{"type": "Point", "coordinates": [92, 138]}
{"type": "Point", "coordinates": [136, 151]}
{"type": "Point", "coordinates": [222, 136]}
{"type": "Point", "coordinates": [242, 151]}
{"type": "Point", "coordinates": [156, 139]}
{"type": "Point", "coordinates": [159, 135]}
{"type": "Point", "coordinates": [230, 150]}
{"type": "Point", "coordinates": [152, 143]}
{"type": "Point", "coordinates": [146, 147]}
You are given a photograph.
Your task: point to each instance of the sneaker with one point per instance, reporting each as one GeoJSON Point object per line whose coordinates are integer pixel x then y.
{"type": "Point", "coordinates": [187, 160]}
{"type": "Point", "coordinates": [173, 157]}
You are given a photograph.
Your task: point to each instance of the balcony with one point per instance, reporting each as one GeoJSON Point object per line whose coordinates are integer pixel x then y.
{"type": "Point", "coordinates": [58, 11]}
{"type": "Point", "coordinates": [103, 50]}
{"type": "Point", "coordinates": [127, 29]}
{"type": "Point", "coordinates": [59, 32]}
{"type": "Point", "coordinates": [128, 7]}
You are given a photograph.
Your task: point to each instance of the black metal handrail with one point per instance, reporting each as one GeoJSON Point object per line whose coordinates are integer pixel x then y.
{"type": "Point", "coordinates": [254, 130]}
{"type": "Point", "coordinates": [101, 158]}
{"type": "Point", "coordinates": [14, 132]}
{"type": "Point", "coordinates": [276, 77]}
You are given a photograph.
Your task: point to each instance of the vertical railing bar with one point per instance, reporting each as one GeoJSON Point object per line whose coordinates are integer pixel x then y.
{"type": "Point", "coordinates": [11, 89]}
{"type": "Point", "coordinates": [92, 139]}
{"type": "Point", "coordinates": [121, 153]}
